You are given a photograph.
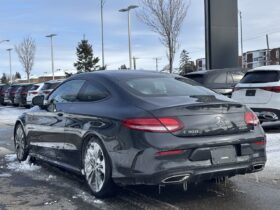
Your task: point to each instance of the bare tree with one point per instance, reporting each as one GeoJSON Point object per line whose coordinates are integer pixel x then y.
{"type": "Point", "coordinates": [26, 54]}
{"type": "Point", "coordinates": [165, 17]}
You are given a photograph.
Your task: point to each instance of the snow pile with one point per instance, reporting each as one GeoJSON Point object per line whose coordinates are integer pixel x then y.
{"type": "Point", "coordinates": [14, 165]}
{"type": "Point", "coordinates": [273, 152]}
{"type": "Point", "coordinates": [10, 115]}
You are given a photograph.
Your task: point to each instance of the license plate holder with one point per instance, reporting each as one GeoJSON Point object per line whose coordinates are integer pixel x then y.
{"type": "Point", "coordinates": [250, 92]}
{"type": "Point", "coordinates": [223, 155]}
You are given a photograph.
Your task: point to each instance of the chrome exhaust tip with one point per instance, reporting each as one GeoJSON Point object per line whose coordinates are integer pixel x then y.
{"type": "Point", "coordinates": [176, 179]}
{"type": "Point", "coordinates": [258, 167]}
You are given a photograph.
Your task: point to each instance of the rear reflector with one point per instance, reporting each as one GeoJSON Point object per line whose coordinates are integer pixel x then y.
{"type": "Point", "coordinates": [171, 152]}
{"type": "Point", "coordinates": [260, 142]}
{"type": "Point", "coordinates": [162, 125]}
{"type": "Point", "coordinates": [251, 118]}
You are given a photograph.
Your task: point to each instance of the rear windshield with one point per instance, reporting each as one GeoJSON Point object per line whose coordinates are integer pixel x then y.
{"type": "Point", "coordinates": [196, 77]}
{"type": "Point", "coordinates": [34, 87]}
{"type": "Point", "coordinates": [261, 77]}
{"type": "Point", "coordinates": [50, 86]}
{"type": "Point", "coordinates": [162, 87]}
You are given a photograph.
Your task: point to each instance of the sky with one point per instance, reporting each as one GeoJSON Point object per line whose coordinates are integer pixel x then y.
{"type": "Point", "coordinates": [71, 19]}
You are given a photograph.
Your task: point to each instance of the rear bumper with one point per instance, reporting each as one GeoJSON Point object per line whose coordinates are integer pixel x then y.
{"type": "Point", "coordinates": [197, 174]}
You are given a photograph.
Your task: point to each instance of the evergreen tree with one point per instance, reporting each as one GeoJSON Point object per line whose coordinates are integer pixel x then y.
{"type": "Point", "coordinates": [4, 79]}
{"type": "Point", "coordinates": [86, 61]}
{"type": "Point", "coordinates": [17, 75]}
{"type": "Point", "coordinates": [186, 65]}
{"type": "Point", "coordinates": [123, 67]}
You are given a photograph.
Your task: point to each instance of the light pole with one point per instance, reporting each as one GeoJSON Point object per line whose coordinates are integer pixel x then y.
{"type": "Point", "coordinates": [157, 59]}
{"type": "Point", "coordinates": [241, 36]}
{"type": "Point", "coordinates": [129, 30]}
{"type": "Point", "coordinates": [102, 2]}
{"type": "Point", "coordinates": [10, 58]}
{"type": "Point", "coordinates": [51, 37]}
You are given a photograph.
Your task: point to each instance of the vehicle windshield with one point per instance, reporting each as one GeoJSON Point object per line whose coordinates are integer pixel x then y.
{"type": "Point", "coordinates": [49, 86]}
{"type": "Point", "coordinates": [164, 87]}
{"type": "Point", "coordinates": [261, 77]}
{"type": "Point", "coordinates": [34, 87]}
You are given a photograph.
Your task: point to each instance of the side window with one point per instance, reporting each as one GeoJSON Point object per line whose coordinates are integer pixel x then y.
{"type": "Point", "coordinates": [229, 78]}
{"type": "Point", "coordinates": [92, 92]}
{"type": "Point", "coordinates": [67, 92]}
{"type": "Point", "coordinates": [218, 78]}
{"type": "Point", "coordinates": [237, 76]}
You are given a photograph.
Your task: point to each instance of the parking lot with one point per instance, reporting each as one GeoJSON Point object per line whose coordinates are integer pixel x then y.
{"type": "Point", "coordinates": [42, 186]}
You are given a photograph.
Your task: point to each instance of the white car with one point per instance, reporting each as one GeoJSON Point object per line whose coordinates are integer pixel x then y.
{"type": "Point", "coordinates": [260, 90]}
{"type": "Point", "coordinates": [34, 91]}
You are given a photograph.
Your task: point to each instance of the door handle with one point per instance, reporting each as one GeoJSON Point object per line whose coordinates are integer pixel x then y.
{"type": "Point", "coordinates": [60, 114]}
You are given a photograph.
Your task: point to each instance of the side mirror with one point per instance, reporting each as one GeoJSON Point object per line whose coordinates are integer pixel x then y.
{"type": "Point", "coordinates": [38, 101]}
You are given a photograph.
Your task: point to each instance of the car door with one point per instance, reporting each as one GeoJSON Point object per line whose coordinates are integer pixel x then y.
{"type": "Point", "coordinates": [46, 126]}
{"type": "Point", "coordinates": [82, 117]}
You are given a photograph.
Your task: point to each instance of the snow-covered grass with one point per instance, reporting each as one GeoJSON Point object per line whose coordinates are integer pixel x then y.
{"type": "Point", "coordinates": [10, 115]}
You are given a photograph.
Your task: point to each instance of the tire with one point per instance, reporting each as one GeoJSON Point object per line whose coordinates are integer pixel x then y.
{"type": "Point", "coordinates": [21, 147]}
{"type": "Point", "coordinates": [98, 170]}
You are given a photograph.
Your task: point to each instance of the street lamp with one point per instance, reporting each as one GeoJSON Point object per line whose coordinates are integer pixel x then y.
{"type": "Point", "coordinates": [102, 2]}
{"type": "Point", "coordinates": [51, 37]}
{"type": "Point", "coordinates": [10, 58]}
{"type": "Point", "coordinates": [129, 33]}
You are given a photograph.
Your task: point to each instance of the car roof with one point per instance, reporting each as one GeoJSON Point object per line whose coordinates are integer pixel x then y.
{"type": "Point", "coordinates": [123, 74]}
{"type": "Point", "coordinates": [266, 68]}
{"type": "Point", "coordinates": [215, 70]}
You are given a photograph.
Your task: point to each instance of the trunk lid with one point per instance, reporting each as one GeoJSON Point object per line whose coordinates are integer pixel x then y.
{"type": "Point", "coordinates": [205, 116]}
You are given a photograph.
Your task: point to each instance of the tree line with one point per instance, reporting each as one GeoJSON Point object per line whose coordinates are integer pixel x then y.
{"type": "Point", "coordinates": [164, 17]}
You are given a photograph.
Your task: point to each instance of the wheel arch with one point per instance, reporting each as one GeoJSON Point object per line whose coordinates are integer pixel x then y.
{"type": "Point", "coordinates": [86, 139]}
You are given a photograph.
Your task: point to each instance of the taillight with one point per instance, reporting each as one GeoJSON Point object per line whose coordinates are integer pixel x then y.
{"type": "Point", "coordinates": [260, 142]}
{"type": "Point", "coordinates": [46, 92]}
{"type": "Point", "coordinates": [170, 152]}
{"type": "Point", "coordinates": [251, 118]}
{"type": "Point", "coordinates": [162, 125]}
{"type": "Point", "coordinates": [271, 89]}
{"type": "Point", "coordinates": [34, 93]}
{"type": "Point", "coordinates": [24, 93]}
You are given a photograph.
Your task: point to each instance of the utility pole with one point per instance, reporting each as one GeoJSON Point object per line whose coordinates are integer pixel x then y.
{"type": "Point", "coordinates": [157, 59]}
{"type": "Point", "coordinates": [268, 51]}
{"type": "Point", "coordinates": [134, 62]}
{"type": "Point", "coordinates": [10, 59]}
{"type": "Point", "coordinates": [102, 31]}
{"type": "Point", "coordinates": [241, 36]}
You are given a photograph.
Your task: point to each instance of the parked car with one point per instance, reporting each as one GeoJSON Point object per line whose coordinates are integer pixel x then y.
{"type": "Point", "coordinates": [49, 86]}
{"type": "Point", "coordinates": [3, 89]}
{"type": "Point", "coordinates": [260, 90]}
{"type": "Point", "coordinates": [21, 95]}
{"type": "Point", "coordinates": [221, 81]}
{"type": "Point", "coordinates": [34, 91]}
{"type": "Point", "coordinates": [139, 127]}
{"type": "Point", "coordinates": [10, 94]}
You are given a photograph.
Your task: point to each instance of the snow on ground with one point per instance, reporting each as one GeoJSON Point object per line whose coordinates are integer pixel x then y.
{"type": "Point", "coordinates": [14, 165]}
{"type": "Point", "coordinates": [10, 115]}
{"type": "Point", "coordinates": [273, 150]}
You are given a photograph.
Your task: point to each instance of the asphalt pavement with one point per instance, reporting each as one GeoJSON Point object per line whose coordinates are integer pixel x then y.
{"type": "Point", "coordinates": [43, 186]}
